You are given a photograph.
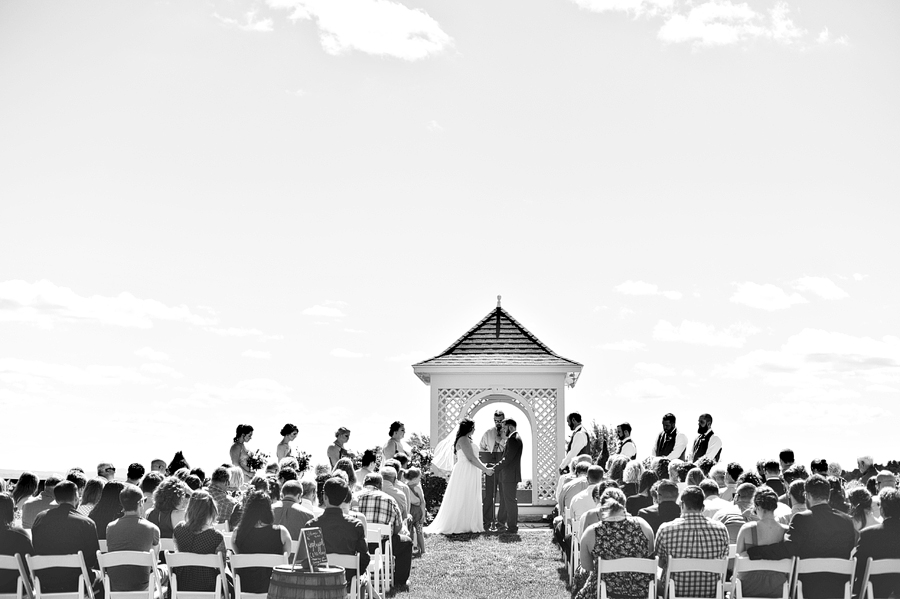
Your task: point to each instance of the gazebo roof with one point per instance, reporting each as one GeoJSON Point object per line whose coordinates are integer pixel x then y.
{"type": "Point", "coordinates": [498, 340]}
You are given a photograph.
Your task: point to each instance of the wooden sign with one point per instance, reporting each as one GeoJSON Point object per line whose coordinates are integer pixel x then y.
{"type": "Point", "coordinates": [311, 552]}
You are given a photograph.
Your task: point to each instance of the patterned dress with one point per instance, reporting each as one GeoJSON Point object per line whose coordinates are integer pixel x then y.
{"type": "Point", "coordinates": [197, 578]}
{"type": "Point", "coordinates": [616, 539]}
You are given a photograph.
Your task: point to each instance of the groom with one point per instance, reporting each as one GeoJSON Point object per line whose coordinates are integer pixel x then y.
{"type": "Point", "coordinates": [509, 473]}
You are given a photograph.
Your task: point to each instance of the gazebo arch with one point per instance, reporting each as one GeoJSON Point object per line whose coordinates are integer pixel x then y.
{"type": "Point", "coordinates": [499, 360]}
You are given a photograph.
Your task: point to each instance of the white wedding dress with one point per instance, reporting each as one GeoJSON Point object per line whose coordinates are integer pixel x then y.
{"type": "Point", "coordinates": [461, 509]}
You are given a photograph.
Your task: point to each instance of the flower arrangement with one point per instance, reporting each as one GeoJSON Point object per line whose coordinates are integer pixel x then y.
{"type": "Point", "coordinates": [257, 460]}
{"type": "Point", "coordinates": [303, 461]}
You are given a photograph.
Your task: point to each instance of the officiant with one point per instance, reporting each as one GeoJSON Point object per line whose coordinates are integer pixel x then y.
{"type": "Point", "coordinates": [493, 442]}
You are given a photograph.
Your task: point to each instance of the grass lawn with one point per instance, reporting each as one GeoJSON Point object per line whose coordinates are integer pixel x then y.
{"type": "Point", "coordinates": [524, 565]}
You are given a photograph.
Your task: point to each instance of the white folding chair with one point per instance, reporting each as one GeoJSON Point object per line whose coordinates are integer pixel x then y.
{"type": "Point", "coordinates": [104, 547]}
{"type": "Point", "coordinates": [348, 562]}
{"type": "Point", "coordinates": [253, 560]}
{"type": "Point", "coordinates": [712, 566]}
{"type": "Point", "coordinates": [229, 543]}
{"type": "Point", "coordinates": [23, 581]}
{"type": "Point", "coordinates": [574, 546]}
{"type": "Point", "coordinates": [146, 559]}
{"type": "Point", "coordinates": [388, 550]}
{"type": "Point", "coordinates": [745, 564]}
{"type": "Point", "coordinates": [627, 564]}
{"type": "Point", "coordinates": [728, 585]}
{"type": "Point", "coordinates": [874, 568]}
{"type": "Point", "coordinates": [377, 562]}
{"type": "Point", "coordinates": [36, 563]}
{"type": "Point", "coordinates": [833, 565]}
{"type": "Point", "coordinates": [166, 545]}
{"type": "Point", "coordinates": [178, 559]}
{"type": "Point", "coordinates": [222, 527]}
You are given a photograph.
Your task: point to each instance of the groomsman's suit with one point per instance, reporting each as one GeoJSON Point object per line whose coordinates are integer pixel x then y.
{"type": "Point", "coordinates": [509, 474]}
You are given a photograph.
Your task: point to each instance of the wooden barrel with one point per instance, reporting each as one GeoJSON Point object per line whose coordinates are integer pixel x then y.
{"type": "Point", "coordinates": [327, 583]}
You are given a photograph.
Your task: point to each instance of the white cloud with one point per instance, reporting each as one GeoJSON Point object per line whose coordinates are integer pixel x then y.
{"type": "Point", "coordinates": [435, 126]}
{"type": "Point", "coordinates": [782, 28]}
{"type": "Point", "coordinates": [46, 304]}
{"type": "Point", "coordinates": [346, 353]}
{"type": "Point", "coordinates": [625, 345]}
{"type": "Point", "coordinates": [704, 334]}
{"type": "Point", "coordinates": [247, 392]}
{"type": "Point", "coordinates": [378, 27]}
{"type": "Point", "coordinates": [156, 368]}
{"type": "Point", "coordinates": [641, 288]}
{"type": "Point", "coordinates": [647, 389]}
{"type": "Point", "coordinates": [625, 313]}
{"type": "Point", "coordinates": [15, 369]}
{"type": "Point", "coordinates": [257, 355]}
{"type": "Point", "coordinates": [635, 7]}
{"type": "Point", "coordinates": [235, 332]}
{"type": "Point", "coordinates": [721, 22]}
{"type": "Point", "coordinates": [151, 354]}
{"type": "Point", "coordinates": [765, 297]}
{"type": "Point", "coordinates": [327, 311]}
{"type": "Point", "coordinates": [826, 38]}
{"type": "Point", "coordinates": [821, 286]}
{"type": "Point", "coordinates": [652, 369]}
{"type": "Point", "coordinates": [250, 23]}
{"type": "Point", "coordinates": [859, 276]}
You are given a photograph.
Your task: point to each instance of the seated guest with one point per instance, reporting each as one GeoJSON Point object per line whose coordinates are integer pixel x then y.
{"type": "Point", "coordinates": [797, 497]}
{"type": "Point", "coordinates": [706, 465]}
{"type": "Point", "coordinates": [861, 509]}
{"type": "Point", "coordinates": [616, 536]}
{"type": "Point", "coordinates": [63, 531]}
{"type": "Point", "coordinates": [25, 489]}
{"type": "Point", "coordinates": [285, 474]}
{"type": "Point", "coordinates": [773, 477]}
{"type": "Point", "coordinates": [881, 541]}
{"type": "Point", "coordinates": [13, 540]}
{"type": "Point", "coordinates": [795, 472]}
{"type": "Point", "coordinates": [388, 485]}
{"type": "Point", "coordinates": [569, 476]}
{"type": "Point", "coordinates": [380, 508]}
{"type": "Point", "coordinates": [732, 472]}
{"type": "Point", "coordinates": [193, 482]}
{"type": "Point", "coordinates": [712, 503]}
{"type": "Point", "coordinates": [369, 465]}
{"type": "Point", "coordinates": [615, 468]}
{"type": "Point", "coordinates": [749, 477]}
{"type": "Point", "coordinates": [346, 464]}
{"type": "Point", "coordinates": [93, 490]}
{"type": "Point", "coordinates": [584, 501]}
{"type": "Point", "coordinates": [108, 508]}
{"type": "Point", "coordinates": [632, 478]}
{"type": "Point", "coordinates": [785, 459]}
{"type": "Point", "coordinates": [148, 485]}
{"type": "Point", "coordinates": [692, 536]}
{"type": "Point", "coordinates": [885, 479]}
{"type": "Point", "coordinates": [169, 503]}
{"type": "Point", "coordinates": [131, 532]}
{"type": "Point", "coordinates": [158, 466]}
{"type": "Point", "coordinates": [835, 470]}
{"type": "Point", "coordinates": [866, 469]}
{"type": "Point", "coordinates": [765, 531]}
{"type": "Point", "coordinates": [718, 473]}
{"type": "Point", "coordinates": [258, 533]}
{"type": "Point", "coordinates": [342, 534]}
{"type": "Point", "coordinates": [199, 473]}
{"type": "Point", "coordinates": [736, 515]}
{"type": "Point", "coordinates": [661, 467]}
{"type": "Point", "coordinates": [598, 494]}
{"type": "Point", "coordinates": [641, 499]}
{"type": "Point", "coordinates": [310, 499]}
{"type": "Point", "coordinates": [76, 475]}
{"type": "Point", "coordinates": [106, 470]}
{"type": "Point", "coordinates": [819, 467]}
{"type": "Point", "coordinates": [817, 532]}
{"type": "Point", "coordinates": [838, 497]}
{"type": "Point", "coordinates": [694, 476]}
{"type": "Point", "coordinates": [290, 512]}
{"type": "Point", "coordinates": [135, 474]}
{"type": "Point", "coordinates": [218, 489]}
{"type": "Point", "coordinates": [35, 505]}
{"type": "Point", "coordinates": [574, 487]}
{"type": "Point", "coordinates": [666, 509]}
{"type": "Point", "coordinates": [197, 535]}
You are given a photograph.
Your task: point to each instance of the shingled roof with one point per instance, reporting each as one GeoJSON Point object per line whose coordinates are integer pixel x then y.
{"type": "Point", "coordinates": [498, 340]}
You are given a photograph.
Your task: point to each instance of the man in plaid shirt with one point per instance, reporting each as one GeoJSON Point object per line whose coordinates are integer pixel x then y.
{"type": "Point", "coordinates": [692, 536]}
{"type": "Point", "coordinates": [380, 508]}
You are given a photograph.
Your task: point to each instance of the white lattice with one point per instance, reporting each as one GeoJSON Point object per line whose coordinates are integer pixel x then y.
{"type": "Point", "coordinates": [450, 404]}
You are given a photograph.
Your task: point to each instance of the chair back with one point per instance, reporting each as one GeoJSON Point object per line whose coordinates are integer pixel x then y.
{"type": "Point", "coordinates": [348, 562]}
{"type": "Point", "coordinates": [147, 559]}
{"type": "Point", "coordinates": [830, 565]}
{"type": "Point", "coordinates": [253, 560]}
{"type": "Point", "coordinates": [874, 568]}
{"type": "Point", "coordinates": [104, 547]}
{"type": "Point", "coordinates": [222, 526]}
{"type": "Point", "coordinates": [36, 563]}
{"type": "Point", "coordinates": [745, 564]}
{"type": "Point", "coordinates": [386, 533]}
{"type": "Point", "coordinates": [627, 564]}
{"type": "Point", "coordinates": [178, 559]}
{"type": "Point", "coordinates": [23, 582]}
{"type": "Point", "coordinates": [228, 537]}
{"type": "Point", "coordinates": [686, 564]}
{"type": "Point", "coordinates": [166, 545]}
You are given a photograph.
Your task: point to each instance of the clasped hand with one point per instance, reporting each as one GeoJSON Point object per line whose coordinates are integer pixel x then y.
{"type": "Point", "coordinates": [489, 471]}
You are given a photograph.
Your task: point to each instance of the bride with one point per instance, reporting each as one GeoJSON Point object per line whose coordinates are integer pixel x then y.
{"type": "Point", "coordinates": [461, 509]}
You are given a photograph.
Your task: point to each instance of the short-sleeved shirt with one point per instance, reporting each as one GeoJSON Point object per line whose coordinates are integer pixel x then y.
{"type": "Point", "coordinates": [130, 533]}
{"type": "Point", "coordinates": [695, 536]}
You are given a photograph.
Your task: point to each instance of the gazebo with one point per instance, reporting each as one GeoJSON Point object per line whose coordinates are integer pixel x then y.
{"type": "Point", "coordinates": [499, 360]}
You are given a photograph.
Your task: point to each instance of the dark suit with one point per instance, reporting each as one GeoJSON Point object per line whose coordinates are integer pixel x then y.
{"type": "Point", "coordinates": [509, 474]}
{"type": "Point", "coordinates": [881, 541]}
{"type": "Point", "coordinates": [656, 515]}
{"type": "Point", "coordinates": [63, 531]}
{"type": "Point", "coordinates": [818, 532]}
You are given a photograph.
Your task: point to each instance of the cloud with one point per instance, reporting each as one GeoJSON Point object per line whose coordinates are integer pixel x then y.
{"type": "Point", "coordinates": [765, 297]}
{"type": "Point", "coordinates": [251, 23]}
{"type": "Point", "coordinates": [704, 334]}
{"type": "Point", "coordinates": [625, 345]}
{"type": "Point", "coordinates": [647, 389]}
{"type": "Point", "coordinates": [634, 7]}
{"type": "Point", "coordinates": [821, 286]}
{"type": "Point", "coordinates": [327, 311]}
{"type": "Point", "coordinates": [649, 369]}
{"type": "Point", "coordinates": [257, 355]}
{"type": "Point", "coordinates": [859, 276]}
{"type": "Point", "coordinates": [625, 313]}
{"type": "Point", "coordinates": [641, 288]}
{"type": "Point", "coordinates": [151, 354]}
{"type": "Point", "coordinates": [378, 27]}
{"type": "Point", "coordinates": [722, 23]}
{"type": "Point", "coordinates": [825, 38]}
{"type": "Point", "coordinates": [13, 369]}
{"type": "Point", "coordinates": [251, 391]}
{"type": "Point", "coordinates": [346, 353]}
{"type": "Point", "coordinates": [235, 332]}
{"type": "Point", "coordinates": [435, 126]}
{"type": "Point", "coordinates": [45, 304]}
{"type": "Point", "coordinates": [156, 368]}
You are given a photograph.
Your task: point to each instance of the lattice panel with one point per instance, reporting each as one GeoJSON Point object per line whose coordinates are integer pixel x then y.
{"type": "Point", "coordinates": [450, 404]}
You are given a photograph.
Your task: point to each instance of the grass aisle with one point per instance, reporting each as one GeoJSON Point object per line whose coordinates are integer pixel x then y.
{"type": "Point", "coordinates": [489, 566]}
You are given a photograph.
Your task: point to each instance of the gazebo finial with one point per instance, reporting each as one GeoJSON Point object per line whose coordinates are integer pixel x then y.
{"type": "Point", "coordinates": [498, 301]}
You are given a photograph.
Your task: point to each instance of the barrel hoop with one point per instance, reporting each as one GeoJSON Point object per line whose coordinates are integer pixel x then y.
{"type": "Point", "coordinates": [307, 587]}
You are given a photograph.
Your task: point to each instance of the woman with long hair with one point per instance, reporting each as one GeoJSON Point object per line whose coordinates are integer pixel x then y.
{"type": "Point", "coordinates": [642, 498]}
{"type": "Point", "coordinates": [108, 508]}
{"type": "Point", "coordinates": [93, 490]}
{"type": "Point", "coordinates": [25, 488]}
{"type": "Point", "coordinates": [461, 508]}
{"type": "Point", "coordinates": [238, 451]}
{"type": "Point", "coordinates": [198, 535]}
{"type": "Point", "coordinates": [861, 508]}
{"type": "Point", "coordinates": [346, 465]}
{"type": "Point", "coordinates": [169, 501]}
{"type": "Point", "coordinates": [257, 533]}
{"type": "Point", "coordinates": [394, 444]}
{"type": "Point", "coordinates": [288, 433]}
{"type": "Point", "coordinates": [13, 540]}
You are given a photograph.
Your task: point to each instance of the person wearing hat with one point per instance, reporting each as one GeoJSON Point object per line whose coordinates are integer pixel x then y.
{"type": "Point", "coordinates": [336, 450]}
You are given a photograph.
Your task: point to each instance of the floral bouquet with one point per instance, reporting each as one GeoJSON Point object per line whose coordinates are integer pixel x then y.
{"type": "Point", "coordinates": [303, 461]}
{"type": "Point", "coordinates": [257, 460]}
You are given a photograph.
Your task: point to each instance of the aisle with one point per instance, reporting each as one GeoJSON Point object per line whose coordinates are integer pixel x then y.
{"type": "Point", "coordinates": [522, 565]}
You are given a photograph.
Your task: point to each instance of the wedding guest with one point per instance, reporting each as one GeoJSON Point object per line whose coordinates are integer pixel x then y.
{"type": "Point", "coordinates": [389, 486]}
{"type": "Point", "coordinates": [158, 466]}
{"type": "Point", "coordinates": [368, 465]}
{"type": "Point", "coordinates": [712, 503]}
{"type": "Point", "coordinates": [131, 532]}
{"type": "Point", "coordinates": [286, 474]}
{"type": "Point", "coordinates": [867, 469]}
{"type": "Point", "coordinates": [193, 482]}
{"type": "Point", "coordinates": [380, 508]}
{"type": "Point", "coordinates": [706, 465]}
{"type": "Point", "coordinates": [881, 541]}
{"type": "Point", "coordinates": [616, 536]}
{"type": "Point", "coordinates": [218, 489]}
{"type": "Point", "coordinates": [76, 475]}
{"type": "Point", "coordinates": [258, 533]}
{"type": "Point", "coordinates": [764, 531]}
{"type": "Point", "coordinates": [666, 509]}
{"type": "Point", "coordinates": [569, 476]}
{"type": "Point", "coordinates": [106, 470]}
{"type": "Point", "coordinates": [149, 484]}
{"type": "Point", "coordinates": [197, 535]}
{"type": "Point", "coordinates": [835, 470]}
{"type": "Point", "coordinates": [737, 514]}
{"type": "Point", "coordinates": [632, 478]}
{"type": "Point", "coordinates": [200, 474]}
{"type": "Point", "coordinates": [93, 489]}
{"type": "Point", "coordinates": [238, 451]}
{"type": "Point", "coordinates": [288, 433]}
{"type": "Point", "coordinates": [797, 497]}
{"type": "Point", "coordinates": [885, 479]}
{"type": "Point", "coordinates": [342, 533]}
{"type": "Point", "coordinates": [838, 498]}
{"type": "Point", "coordinates": [309, 499]}
{"type": "Point", "coordinates": [346, 465]}
{"type": "Point", "coordinates": [861, 508]}
{"type": "Point", "coordinates": [108, 508]}
{"type": "Point", "coordinates": [592, 516]}
{"type": "Point", "coordinates": [135, 473]}
{"type": "Point", "coordinates": [732, 473]}
{"type": "Point", "coordinates": [290, 512]}
{"type": "Point", "coordinates": [641, 499]}
{"type": "Point", "coordinates": [25, 489]}
{"type": "Point", "coordinates": [178, 463]}
{"type": "Point", "coordinates": [694, 476]}
{"type": "Point", "coordinates": [394, 444]}
{"type": "Point", "coordinates": [169, 502]}
{"type": "Point", "coordinates": [785, 459]}
{"type": "Point", "coordinates": [13, 540]}
{"type": "Point", "coordinates": [336, 450]}
{"type": "Point", "coordinates": [35, 505]}
{"type": "Point", "coordinates": [615, 469]}
{"type": "Point", "coordinates": [749, 477]}
{"type": "Point", "coordinates": [574, 487]}
{"type": "Point", "coordinates": [584, 500]}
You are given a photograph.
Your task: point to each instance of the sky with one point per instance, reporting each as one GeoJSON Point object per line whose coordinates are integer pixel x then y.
{"type": "Point", "coordinates": [265, 211]}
